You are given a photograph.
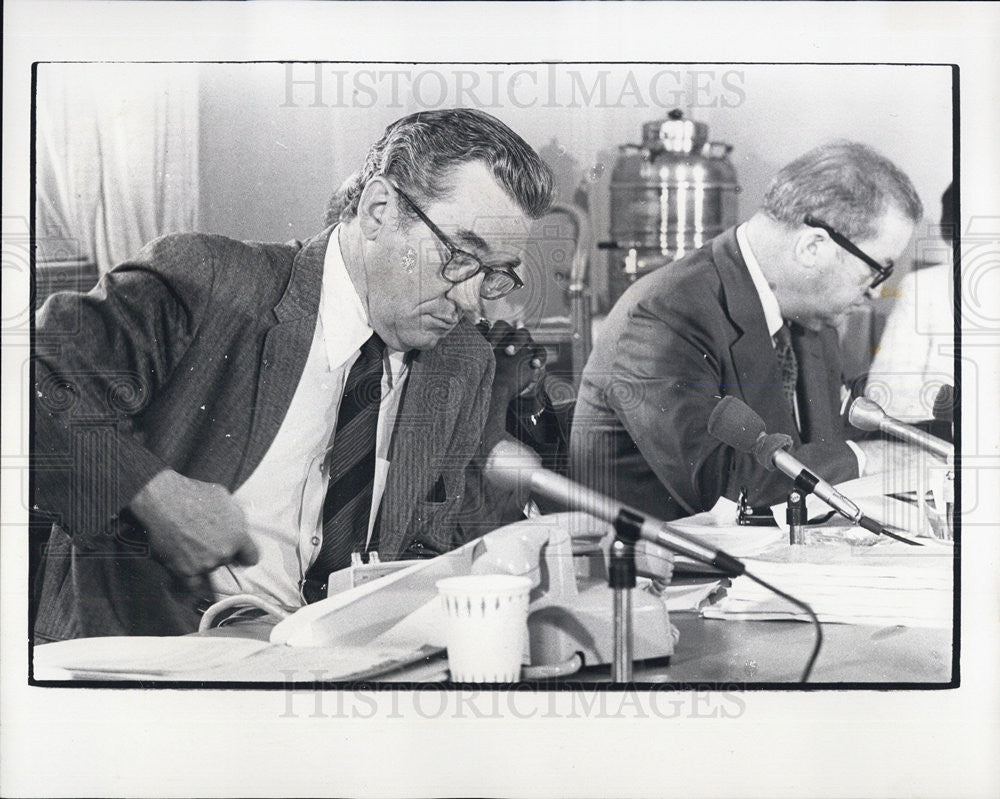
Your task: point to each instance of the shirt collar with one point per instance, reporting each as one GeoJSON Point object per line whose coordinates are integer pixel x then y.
{"type": "Point", "coordinates": [345, 321]}
{"type": "Point", "coordinates": [768, 302]}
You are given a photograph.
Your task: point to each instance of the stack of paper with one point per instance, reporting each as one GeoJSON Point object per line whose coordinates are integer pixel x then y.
{"type": "Point", "coordinates": [190, 658]}
{"type": "Point", "coordinates": [883, 585]}
{"type": "Point", "coordinates": [139, 656]}
{"type": "Point", "coordinates": [718, 528]}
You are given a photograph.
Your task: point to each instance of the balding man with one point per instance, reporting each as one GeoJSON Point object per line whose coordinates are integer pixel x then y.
{"type": "Point", "coordinates": [749, 315]}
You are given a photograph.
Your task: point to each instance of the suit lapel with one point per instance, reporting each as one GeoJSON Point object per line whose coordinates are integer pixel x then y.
{"type": "Point", "coordinates": [412, 452]}
{"type": "Point", "coordinates": [751, 349]}
{"type": "Point", "coordinates": [286, 349]}
{"type": "Point", "coordinates": [439, 391]}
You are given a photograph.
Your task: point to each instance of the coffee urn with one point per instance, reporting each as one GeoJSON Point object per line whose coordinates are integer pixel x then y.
{"type": "Point", "coordinates": [669, 196]}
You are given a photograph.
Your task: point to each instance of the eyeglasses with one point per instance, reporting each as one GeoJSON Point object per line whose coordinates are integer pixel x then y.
{"type": "Point", "coordinates": [883, 271]}
{"type": "Point", "coordinates": [499, 281]}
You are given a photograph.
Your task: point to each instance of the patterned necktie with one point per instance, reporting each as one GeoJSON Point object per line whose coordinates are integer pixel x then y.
{"type": "Point", "coordinates": [348, 502]}
{"type": "Point", "coordinates": [788, 363]}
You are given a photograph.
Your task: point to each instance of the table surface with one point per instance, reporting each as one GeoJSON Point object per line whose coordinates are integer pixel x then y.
{"type": "Point", "coordinates": [709, 651]}
{"type": "Point", "coordinates": [745, 652]}
{"type": "Point", "coordinates": [736, 652]}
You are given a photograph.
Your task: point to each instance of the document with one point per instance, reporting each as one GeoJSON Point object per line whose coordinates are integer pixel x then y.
{"type": "Point", "coordinates": [138, 657]}
{"type": "Point", "coordinates": [886, 584]}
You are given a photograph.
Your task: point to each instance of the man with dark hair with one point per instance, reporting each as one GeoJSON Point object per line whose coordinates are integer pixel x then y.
{"type": "Point", "coordinates": [750, 315]}
{"type": "Point", "coordinates": [220, 417]}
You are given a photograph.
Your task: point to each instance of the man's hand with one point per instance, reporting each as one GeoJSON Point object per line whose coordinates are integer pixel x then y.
{"type": "Point", "coordinates": [519, 359]}
{"type": "Point", "coordinates": [519, 363]}
{"type": "Point", "coordinates": [193, 527]}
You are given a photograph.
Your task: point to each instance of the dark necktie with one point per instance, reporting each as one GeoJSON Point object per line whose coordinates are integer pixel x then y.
{"type": "Point", "coordinates": [347, 506]}
{"type": "Point", "coordinates": [788, 363]}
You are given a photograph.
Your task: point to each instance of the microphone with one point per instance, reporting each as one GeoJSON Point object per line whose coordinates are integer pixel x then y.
{"type": "Point", "coordinates": [737, 425]}
{"type": "Point", "coordinates": [867, 415]}
{"type": "Point", "coordinates": [944, 404]}
{"type": "Point", "coordinates": [512, 466]}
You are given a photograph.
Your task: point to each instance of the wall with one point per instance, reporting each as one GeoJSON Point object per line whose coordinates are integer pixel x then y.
{"type": "Point", "coordinates": [277, 139]}
{"type": "Point", "coordinates": [266, 171]}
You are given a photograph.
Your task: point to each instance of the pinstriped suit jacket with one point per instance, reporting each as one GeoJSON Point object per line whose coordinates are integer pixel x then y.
{"type": "Point", "coordinates": [673, 345]}
{"type": "Point", "coordinates": [188, 357]}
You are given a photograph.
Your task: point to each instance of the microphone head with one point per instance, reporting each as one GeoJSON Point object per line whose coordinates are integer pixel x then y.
{"type": "Point", "coordinates": [944, 404]}
{"type": "Point", "coordinates": [735, 424]}
{"type": "Point", "coordinates": [511, 464]}
{"type": "Point", "coordinates": [766, 447]}
{"type": "Point", "coordinates": [865, 414]}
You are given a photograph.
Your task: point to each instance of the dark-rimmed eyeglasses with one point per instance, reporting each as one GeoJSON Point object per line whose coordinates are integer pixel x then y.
{"type": "Point", "coordinates": [883, 272]}
{"type": "Point", "coordinates": [498, 281]}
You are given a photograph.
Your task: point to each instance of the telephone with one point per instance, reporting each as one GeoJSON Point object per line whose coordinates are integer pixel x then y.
{"type": "Point", "coordinates": [570, 611]}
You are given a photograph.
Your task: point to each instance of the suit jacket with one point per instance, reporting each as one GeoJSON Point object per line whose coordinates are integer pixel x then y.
{"type": "Point", "coordinates": [674, 344]}
{"type": "Point", "coordinates": [188, 358]}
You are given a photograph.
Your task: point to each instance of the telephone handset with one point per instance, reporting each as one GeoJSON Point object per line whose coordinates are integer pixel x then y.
{"type": "Point", "coordinates": [570, 607]}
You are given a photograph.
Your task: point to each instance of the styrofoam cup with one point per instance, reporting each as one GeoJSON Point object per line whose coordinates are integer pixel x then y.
{"type": "Point", "coordinates": [486, 625]}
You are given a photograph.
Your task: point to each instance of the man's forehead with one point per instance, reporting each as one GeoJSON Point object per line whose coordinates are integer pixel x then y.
{"type": "Point", "coordinates": [894, 232]}
{"type": "Point", "coordinates": [496, 232]}
{"type": "Point", "coordinates": [477, 215]}
{"type": "Point", "coordinates": [473, 188]}
{"type": "Point", "coordinates": [482, 226]}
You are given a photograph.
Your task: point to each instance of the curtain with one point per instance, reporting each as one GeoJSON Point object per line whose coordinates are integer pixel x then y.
{"type": "Point", "coordinates": [117, 158]}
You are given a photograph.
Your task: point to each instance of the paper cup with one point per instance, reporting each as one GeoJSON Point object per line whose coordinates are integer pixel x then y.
{"type": "Point", "coordinates": [486, 626]}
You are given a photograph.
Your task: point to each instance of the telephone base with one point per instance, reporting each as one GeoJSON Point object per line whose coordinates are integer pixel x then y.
{"type": "Point", "coordinates": [584, 624]}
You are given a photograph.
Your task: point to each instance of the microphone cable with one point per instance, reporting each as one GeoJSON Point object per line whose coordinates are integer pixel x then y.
{"type": "Point", "coordinates": [903, 538]}
{"type": "Point", "coordinates": [812, 616]}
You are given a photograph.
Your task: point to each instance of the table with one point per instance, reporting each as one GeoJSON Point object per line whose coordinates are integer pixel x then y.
{"type": "Point", "coordinates": [709, 652]}
{"type": "Point", "coordinates": [738, 653]}
{"type": "Point", "coordinates": [749, 652]}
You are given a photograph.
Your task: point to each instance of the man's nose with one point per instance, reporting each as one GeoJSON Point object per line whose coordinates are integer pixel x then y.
{"type": "Point", "coordinates": [466, 295]}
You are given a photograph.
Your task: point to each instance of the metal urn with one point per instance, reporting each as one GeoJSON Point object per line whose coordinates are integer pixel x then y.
{"type": "Point", "coordinates": [669, 196]}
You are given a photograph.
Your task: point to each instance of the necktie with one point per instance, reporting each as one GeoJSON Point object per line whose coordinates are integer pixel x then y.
{"type": "Point", "coordinates": [347, 506]}
{"type": "Point", "coordinates": [788, 363]}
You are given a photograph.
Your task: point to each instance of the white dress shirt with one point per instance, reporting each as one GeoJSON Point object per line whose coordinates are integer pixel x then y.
{"type": "Point", "coordinates": [283, 498]}
{"type": "Point", "coordinates": [774, 320]}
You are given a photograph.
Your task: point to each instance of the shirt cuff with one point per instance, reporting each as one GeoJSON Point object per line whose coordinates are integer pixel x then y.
{"type": "Point", "coordinates": [860, 455]}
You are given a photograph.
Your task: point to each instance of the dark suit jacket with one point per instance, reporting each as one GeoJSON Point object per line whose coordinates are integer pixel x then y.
{"type": "Point", "coordinates": [673, 345]}
{"type": "Point", "coordinates": [187, 358]}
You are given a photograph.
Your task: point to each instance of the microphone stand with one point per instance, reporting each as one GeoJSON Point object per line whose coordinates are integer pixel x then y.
{"type": "Point", "coordinates": [507, 466]}
{"type": "Point", "coordinates": [795, 516]}
{"type": "Point", "coordinates": [622, 579]}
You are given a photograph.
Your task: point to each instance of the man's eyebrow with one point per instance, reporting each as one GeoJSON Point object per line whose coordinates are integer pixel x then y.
{"type": "Point", "coordinates": [470, 239]}
{"type": "Point", "coordinates": [476, 242]}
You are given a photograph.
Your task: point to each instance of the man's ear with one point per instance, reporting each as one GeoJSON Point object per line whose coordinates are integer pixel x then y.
{"type": "Point", "coordinates": [808, 245]}
{"type": "Point", "coordinates": [376, 207]}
